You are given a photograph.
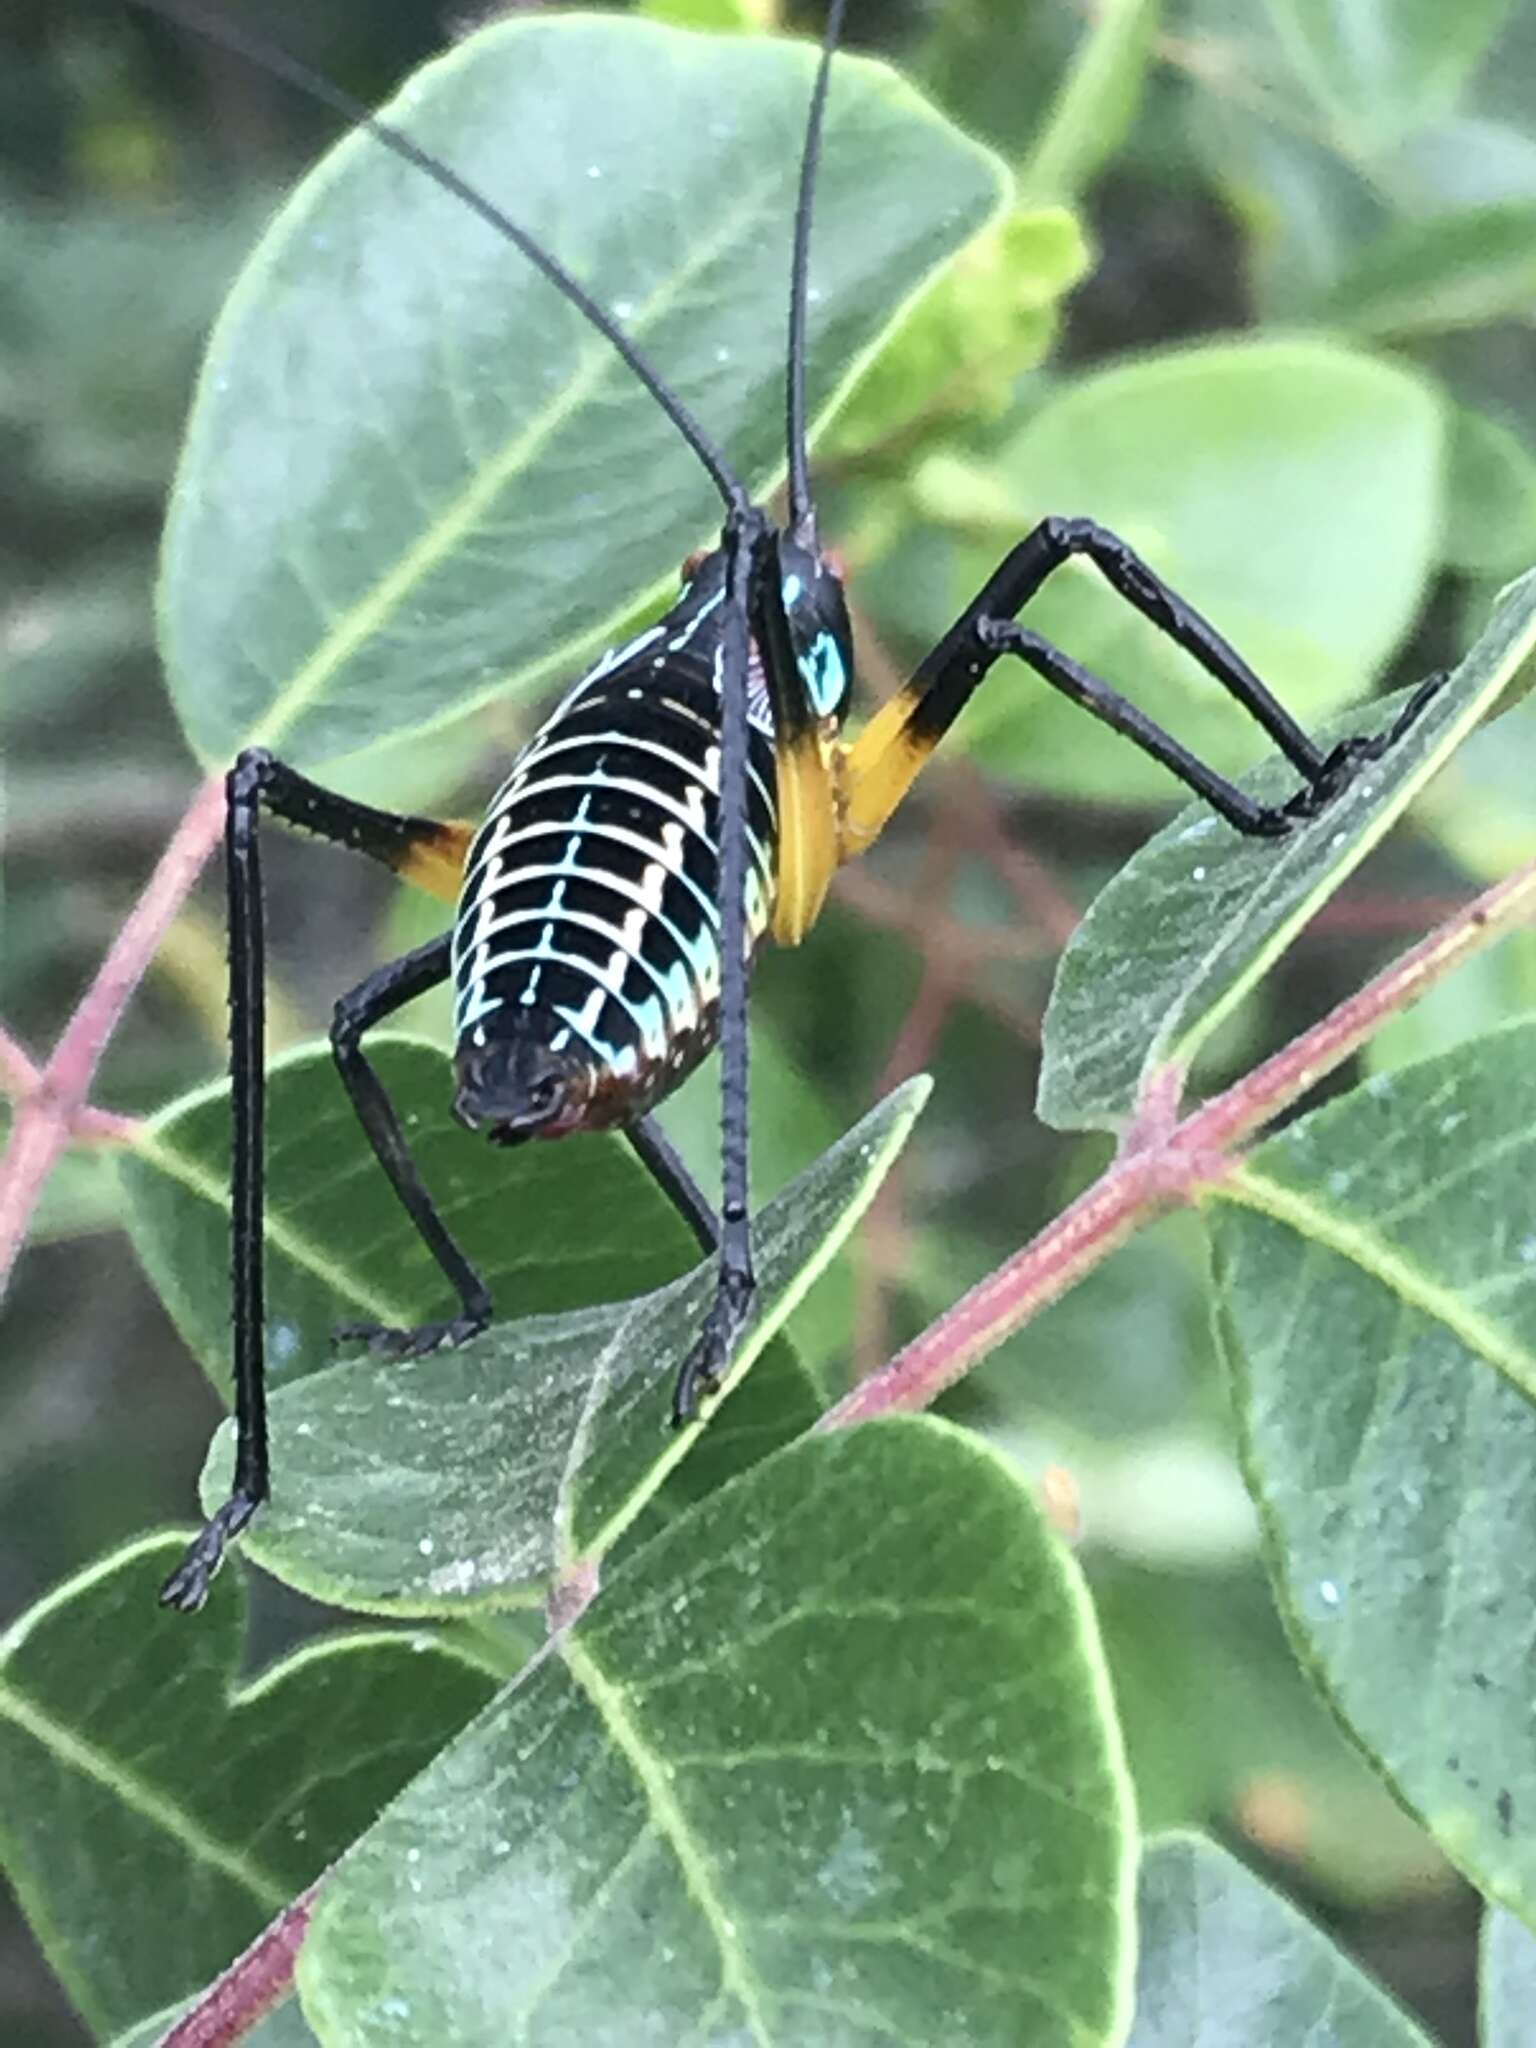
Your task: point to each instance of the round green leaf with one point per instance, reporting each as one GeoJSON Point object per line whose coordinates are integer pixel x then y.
{"type": "Point", "coordinates": [414, 476]}
{"type": "Point", "coordinates": [1507, 1985]}
{"type": "Point", "coordinates": [1199, 915]}
{"type": "Point", "coordinates": [1288, 489]}
{"type": "Point", "coordinates": [1376, 1271]}
{"type": "Point", "coordinates": [134, 1772]}
{"type": "Point", "coordinates": [1459, 269]}
{"type": "Point", "coordinates": [1490, 524]}
{"type": "Point", "coordinates": [1376, 69]}
{"type": "Point", "coordinates": [449, 1483]}
{"type": "Point", "coordinates": [1224, 1960]}
{"type": "Point", "coordinates": [831, 1760]}
{"type": "Point", "coordinates": [548, 1226]}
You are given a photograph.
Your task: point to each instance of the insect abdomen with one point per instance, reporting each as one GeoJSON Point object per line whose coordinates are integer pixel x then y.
{"type": "Point", "coordinates": [589, 909]}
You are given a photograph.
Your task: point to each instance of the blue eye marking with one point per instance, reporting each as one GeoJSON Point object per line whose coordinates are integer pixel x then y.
{"type": "Point", "coordinates": [822, 672]}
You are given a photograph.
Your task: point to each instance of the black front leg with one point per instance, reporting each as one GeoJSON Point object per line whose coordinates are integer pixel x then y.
{"type": "Point", "coordinates": [419, 849]}
{"type": "Point", "coordinates": [187, 1586]}
{"type": "Point", "coordinates": [735, 1284]}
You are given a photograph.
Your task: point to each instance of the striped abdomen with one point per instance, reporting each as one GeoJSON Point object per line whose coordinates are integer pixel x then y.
{"type": "Point", "coordinates": [588, 919]}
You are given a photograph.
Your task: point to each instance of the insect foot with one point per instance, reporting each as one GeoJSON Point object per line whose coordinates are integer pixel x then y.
{"type": "Point", "coordinates": [385, 1342]}
{"type": "Point", "coordinates": [708, 1361]}
{"type": "Point", "coordinates": [187, 1587]}
{"type": "Point", "coordinates": [1351, 755]}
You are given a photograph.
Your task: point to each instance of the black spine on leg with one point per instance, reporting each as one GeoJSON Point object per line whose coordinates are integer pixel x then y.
{"type": "Point", "coordinates": [187, 1586]}
{"type": "Point", "coordinates": [248, 1087]}
{"type": "Point", "coordinates": [258, 779]}
{"type": "Point", "coordinates": [735, 1283]}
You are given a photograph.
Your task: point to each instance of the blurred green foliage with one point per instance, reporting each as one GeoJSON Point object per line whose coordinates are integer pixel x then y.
{"type": "Point", "coordinates": [1298, 371]}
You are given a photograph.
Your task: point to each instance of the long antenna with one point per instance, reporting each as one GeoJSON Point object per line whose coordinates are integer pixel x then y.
{"type": "Point", "coordinates": [271, 57]}
{"type": "Point", "coordinates": [802, 513]}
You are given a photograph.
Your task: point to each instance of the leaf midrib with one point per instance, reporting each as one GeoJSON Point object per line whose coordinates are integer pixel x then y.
{"type": "Point", "coordinates": [309, 1258]}
{"type": "Point", "coordinates": [1182, 1041]}
{"type": "Point", "coordinates": [85, 1760]}
{"type": "Point", "coordinates": [699, 1874]}
{"type": "Point", "coordinates": [1380, 1261]}
{"type": "Point", "coordinates": [368, 615]}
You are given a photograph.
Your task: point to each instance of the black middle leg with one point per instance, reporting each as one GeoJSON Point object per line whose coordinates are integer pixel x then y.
{"type": "Point", "coordinates": [735, 1283]}
{"type": "Point", "coordinates": [385, 991]}
{"type": "Point", "coordinates": [652, 1145]}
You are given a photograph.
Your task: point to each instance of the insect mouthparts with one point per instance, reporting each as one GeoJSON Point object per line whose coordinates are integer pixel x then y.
{"type": "Point", "coordinates": [519, 1088]}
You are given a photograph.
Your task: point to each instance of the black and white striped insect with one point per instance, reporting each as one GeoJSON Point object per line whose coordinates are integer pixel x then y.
{"type": "Point", "coordinates": [688, 797]}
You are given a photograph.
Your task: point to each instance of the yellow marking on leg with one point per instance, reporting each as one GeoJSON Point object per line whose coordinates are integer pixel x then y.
{"type": "Point", "coordinates": [807, 855]}
{"type": "Point", "coordinates": [435, 861]}
{"type": "Point", "coordinates": [877, 770]}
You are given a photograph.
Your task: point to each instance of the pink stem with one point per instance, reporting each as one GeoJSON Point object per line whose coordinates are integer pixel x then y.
{"type": "Point", "coordinates": [47, 1114]}
{"type": "Point", "coordinates": [1170, 1161]}
{"type": "Point", "coordinates": [18, 1075]}
{"type": "Point", "coordinates": [252, 1985]}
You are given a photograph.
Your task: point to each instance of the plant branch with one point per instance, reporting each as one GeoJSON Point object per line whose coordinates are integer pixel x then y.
{"type": "Point", "coordinates": [252, 1985]}
{"type": "Point", "coordinates": [49, 1110]}
{"type": "Point", "coordinates": [1168, 1160]}
{"type": "Point", "coordinates": [18, 1075]}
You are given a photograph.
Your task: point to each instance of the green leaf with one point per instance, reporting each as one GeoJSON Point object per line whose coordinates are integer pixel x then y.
{"type": "Point", "coordinates": [711, 14]}
{"type": "Point", "coordinates": [549, 1226]}
{"type": "Point", "coordinates": [1507, 1981]}
{"type": "Point", "coordinates": [1376, 1276]}
{"type": "Point", "coordinates": [1490, 516]}
{"type": "Point", "coordinates": [1289, 489]}
{"type": "Point", "coordinates": [831, 1760]}
{"type": "Point", "coordinates": [1201, 913]}
{"type": "Point", "coordinates": [1226, 1961]}
{"type": "Point", "coordinates": [448, 1483]}
{"type": "Point", "coordinates": [1480, 808]}
{"type": "Point", "coordinates": [1377, 69]}
{"type": "Point", "coordinates": [133, 1773]}
{"type": "Point", "coordinates": [958, 355]}
{"type": "Point", "coordinates": [1459, 269]}
{"type": "Point", "coordinates": [1222, 1725]}
{"type": "Point", "coordinates": [413, 475]}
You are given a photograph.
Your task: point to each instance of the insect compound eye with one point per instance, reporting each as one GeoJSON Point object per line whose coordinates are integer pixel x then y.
{"type": "Point", "coordinates": [816, 613]}
{"type": "Point", "coordinates": [825, 674]}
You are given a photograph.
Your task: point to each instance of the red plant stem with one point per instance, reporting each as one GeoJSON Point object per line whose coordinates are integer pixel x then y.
{"type": "Point", "coordinates": [252, 1985]}
{"type": "Point", "coordinates": [47, 1113]}
{"type": "Point", "coordinates": [1164, 1160]}
{"type": "Point", "coordinates": [18, 1075]}
{"type": "Point", "coordinates": [1168, 1161]}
